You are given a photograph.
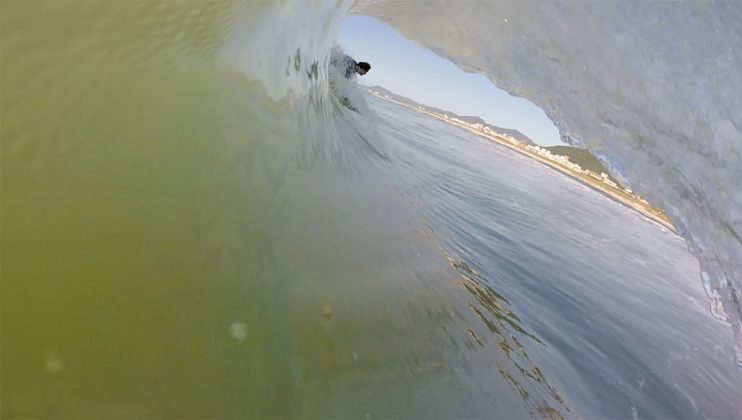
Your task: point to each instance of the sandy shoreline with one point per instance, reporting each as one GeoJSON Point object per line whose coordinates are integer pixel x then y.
{"type": "Point", "coordinates": [616, 194]}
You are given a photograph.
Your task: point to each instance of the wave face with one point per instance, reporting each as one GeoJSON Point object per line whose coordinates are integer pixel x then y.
{"type": "Point", "coordinates": [195, 223]}
{"type": "Point", "coordinates": [653, 86]}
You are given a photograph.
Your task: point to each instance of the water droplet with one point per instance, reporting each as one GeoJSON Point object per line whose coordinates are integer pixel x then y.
{"type": "Point", "coordinates": [52, 363]}
{"type": "Point", "coordinates": [238, 331]}
{"type": "Point", "coordinates": [327, 312]}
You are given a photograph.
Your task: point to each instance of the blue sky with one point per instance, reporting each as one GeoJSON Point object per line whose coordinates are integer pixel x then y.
{"type": "Point", "coordinates": [413, 71]}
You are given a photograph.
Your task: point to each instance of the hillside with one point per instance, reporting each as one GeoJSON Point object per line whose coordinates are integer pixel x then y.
{"type": "Point", "coordinates": [582, 157]}
{"type": "Point", "coordinates": [509, 131]}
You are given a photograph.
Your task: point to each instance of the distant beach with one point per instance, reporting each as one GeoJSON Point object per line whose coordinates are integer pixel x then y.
{"type": "Point", "coordinates": [614, 193]}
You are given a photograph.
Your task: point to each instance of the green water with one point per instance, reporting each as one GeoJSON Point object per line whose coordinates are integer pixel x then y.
{"type": "Point", "coordinates": [175, 246]}
{"type": "Point", "coordinates": [130, 215]}
{"type": "Point", "coordinates": [152, 262]}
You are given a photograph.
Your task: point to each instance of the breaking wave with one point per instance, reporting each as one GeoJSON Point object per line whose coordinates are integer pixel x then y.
{"type": "Point", "coordinates": [654, 88]}
{"type": "Point", "coordinates": [194, 184]}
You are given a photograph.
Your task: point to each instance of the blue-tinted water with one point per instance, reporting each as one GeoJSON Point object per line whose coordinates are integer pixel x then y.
{"type": "Point", "coordinates": [613, 298]}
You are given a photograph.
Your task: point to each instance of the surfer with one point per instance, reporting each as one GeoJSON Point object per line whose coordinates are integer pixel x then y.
{"type": "Point", "coordinates": [344, 65]}
{"type": "Point", "coordinates": [349, 66]}
{"type": "Point", "coordinates": [360, 68]}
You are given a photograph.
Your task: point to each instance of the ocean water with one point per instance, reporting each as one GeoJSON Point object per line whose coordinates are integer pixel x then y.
{"type": "Point", "coordinates": [653, 87]}
{"type": "Point", "coordinates": [193, 226]}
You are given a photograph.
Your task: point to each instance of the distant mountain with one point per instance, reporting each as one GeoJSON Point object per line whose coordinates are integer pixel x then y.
{"type": "Point", "coordinates": [439, 111]}
{"type": "Point", "coordinates": [471, 120]}
{"type": "Point", "coordinates": [582, 157]}
{"type": "Point", "coordinates": [509, 131]}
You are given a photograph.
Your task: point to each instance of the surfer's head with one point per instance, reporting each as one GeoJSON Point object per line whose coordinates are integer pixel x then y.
{"type": "Point", "coordinates": [363, 68]}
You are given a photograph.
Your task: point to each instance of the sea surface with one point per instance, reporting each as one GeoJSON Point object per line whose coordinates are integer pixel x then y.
{"type": "Point", "coordinates": [184, 239]}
